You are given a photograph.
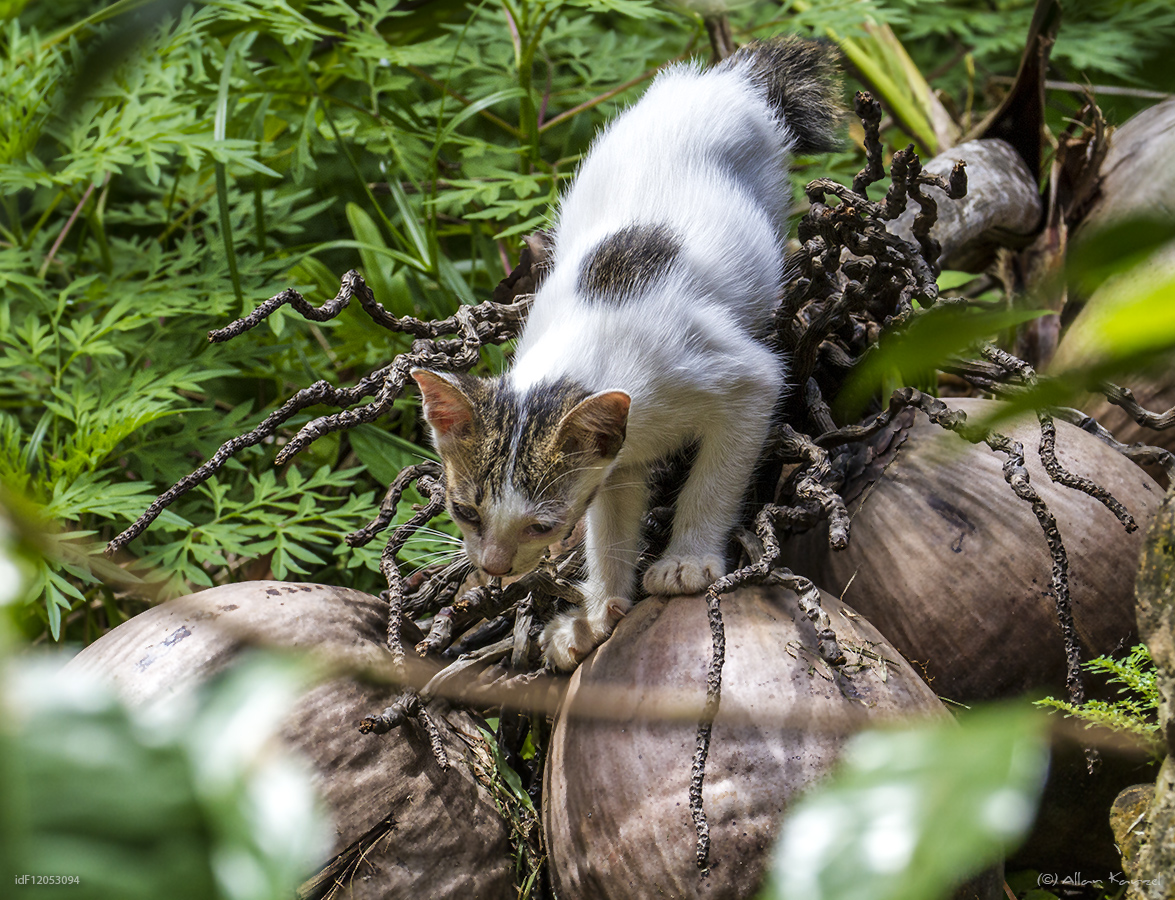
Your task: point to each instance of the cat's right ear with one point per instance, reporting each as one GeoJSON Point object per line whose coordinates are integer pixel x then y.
{"type": "Point", "coordinates": [446, 408]}
{"type": "Point", "coordinates": [597, 425]}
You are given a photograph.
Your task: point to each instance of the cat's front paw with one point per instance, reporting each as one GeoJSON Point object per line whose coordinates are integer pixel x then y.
{"type": "Point", "coordinates": [683, 574]}
{"type": "Point", "coordinates": [566, 640]}
{"type": "Point", "coordinates": [569, 637]}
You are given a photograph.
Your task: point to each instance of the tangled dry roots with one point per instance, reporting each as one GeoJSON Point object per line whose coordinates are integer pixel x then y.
{"type": "Point", "coordinates": [852, 280]}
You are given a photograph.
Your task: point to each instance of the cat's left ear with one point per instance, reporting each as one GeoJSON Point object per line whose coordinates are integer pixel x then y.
{"type": "Point", "coordinates": [446, 407]}
{"type": "Point", "coordinates": [598, 424]}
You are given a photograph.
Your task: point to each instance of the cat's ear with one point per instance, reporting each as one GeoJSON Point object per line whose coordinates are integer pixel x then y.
{"type": "Point", "coordinates": [446, 407]}
{"type": "Point", "coordinates": [597, 425]}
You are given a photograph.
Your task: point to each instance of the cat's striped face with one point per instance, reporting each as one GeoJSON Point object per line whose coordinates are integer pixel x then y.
{"type": "Point", "coordinates": [520, 469]}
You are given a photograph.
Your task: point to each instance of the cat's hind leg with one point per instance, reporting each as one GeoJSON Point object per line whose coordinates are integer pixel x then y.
{"type": "Point", "coordinates": [734, 427]}
{"type": "Point", "coordinates": [612, 546]}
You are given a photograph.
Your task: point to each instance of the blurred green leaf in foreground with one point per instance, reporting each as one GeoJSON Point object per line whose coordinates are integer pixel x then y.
{"type": "Point", "coordinates": [909, 356]}
{"type": "Point", "coordinates": [188, 800]}
{"type": "Point", "coordinates": [912, 813]}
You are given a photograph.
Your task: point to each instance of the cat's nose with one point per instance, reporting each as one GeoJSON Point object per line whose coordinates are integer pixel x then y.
{"type": "Point", "coordinates": [496, 560]}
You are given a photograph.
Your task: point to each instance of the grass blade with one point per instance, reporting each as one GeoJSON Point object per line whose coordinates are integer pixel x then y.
{"type": "Point", "coordinates": [219, 123]}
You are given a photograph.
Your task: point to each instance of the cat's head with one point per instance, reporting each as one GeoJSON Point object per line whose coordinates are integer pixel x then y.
{"type": "Point", "coordinates": [520, 468]}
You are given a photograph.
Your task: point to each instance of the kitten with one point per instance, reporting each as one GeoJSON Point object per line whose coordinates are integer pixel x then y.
{"type": "Point", "coordinates": [667, 262]}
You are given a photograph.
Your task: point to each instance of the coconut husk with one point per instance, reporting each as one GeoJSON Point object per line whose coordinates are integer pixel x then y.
{"type": "Point", "coordinates": [953, 568]}
{"type": "Point", "coordinates": [616, 807]}
{"type": "Point", "coordinates": [403, 825]}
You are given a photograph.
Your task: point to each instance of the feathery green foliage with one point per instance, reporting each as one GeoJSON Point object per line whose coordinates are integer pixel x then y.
{"type": "Point", "coordinates": [164, 165]}
{"type": "Point", "coordinates": [1136, 709]}
{"type": "Point", "coordinates": [243, 147]}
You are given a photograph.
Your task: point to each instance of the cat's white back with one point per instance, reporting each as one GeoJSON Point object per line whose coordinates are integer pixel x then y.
{"type": "Point", "coordinates": [667, 261]}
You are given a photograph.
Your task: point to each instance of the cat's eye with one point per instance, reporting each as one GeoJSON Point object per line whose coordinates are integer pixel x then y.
{"type": "Point", "coordinates": [466, 514]}
{"type": "Point", "coordinates": [539, 529]}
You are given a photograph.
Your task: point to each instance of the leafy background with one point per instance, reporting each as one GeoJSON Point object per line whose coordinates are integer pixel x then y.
{"type": "Point", "coordinates": [165, 166]}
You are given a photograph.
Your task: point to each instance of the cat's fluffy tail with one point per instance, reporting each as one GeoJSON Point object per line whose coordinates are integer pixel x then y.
{"type": "Point", "coordinates": [802, 83]}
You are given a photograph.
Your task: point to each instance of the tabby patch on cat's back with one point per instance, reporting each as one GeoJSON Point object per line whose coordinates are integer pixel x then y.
{"type": "Point", "coordinates": [626, 261]}
{"type": "Point", "coordinates": [666, 264]}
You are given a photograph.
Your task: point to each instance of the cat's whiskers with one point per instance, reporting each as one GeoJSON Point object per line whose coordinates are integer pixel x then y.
{"type": "Point", "coordinates": [433, 539]}
{"type": "Point", "coordinates": [547, 474]}
{"type": "Point", "coordinates": [608, 485]}
{"type": "Point", "coordinates": [624, 560]}
{"type": "Point", "coordinates": [432, 560]}
{"type": "Point", "coordinates": [617, 548]}
{"type": "Point", "coordinates": [454, 552]}
{"type": "Point", "coordinates": [623, 484]}
{"type": "Point", "coordinates": [455, 548]}
{"type": "Point", "coordinates": [428, 561]}
{"type": "Point", "coordinates": [545, 487]}
{"type": "Point", "coordinates": [619, 552]}
{"type": "Point", "coordinates": [425, 529]}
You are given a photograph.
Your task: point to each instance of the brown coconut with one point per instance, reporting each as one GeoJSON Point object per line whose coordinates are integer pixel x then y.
{"type": "Point", "coordinates": [404, 826]}
{"type": "Point", "coordinates": [1136, 180]}
{"type": "Point", "coordinates": [616, 795]}
{"type": "Point", "coordinates": [953, 567]}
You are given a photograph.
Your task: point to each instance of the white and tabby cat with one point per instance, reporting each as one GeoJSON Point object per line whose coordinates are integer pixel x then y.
{"type": "Point", "coordinates": [667, 261]}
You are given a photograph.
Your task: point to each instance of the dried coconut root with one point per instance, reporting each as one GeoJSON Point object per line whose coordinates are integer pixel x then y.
{"type": "Point", "coordinates": [1140, 454]}
{"type": "Point", "coordinates": [1124, 398]}
{"type": "Point", "coordinates": [472, 326]}
{"type": "Point", "coordinates": [1048, 442]}
{"type": "Point", "coordinates": [1005, 380]}
{"type": "Point", "coordinates": [809, 601]}
{"type": "Point", "coordinates": [869, 112]}
{"type": "Point", "coordinates": [408, 706]}
{"type": "Point", "coordinates": [428, 478]}
{"type": "Point", "coordinates": [706, 727]}
{"type": "Point", "coordinates": [853, 277]}
{"type": "Point", "coordinates": [1017, 478]}
{"type": "Point", "coordinates": [812, 493]}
